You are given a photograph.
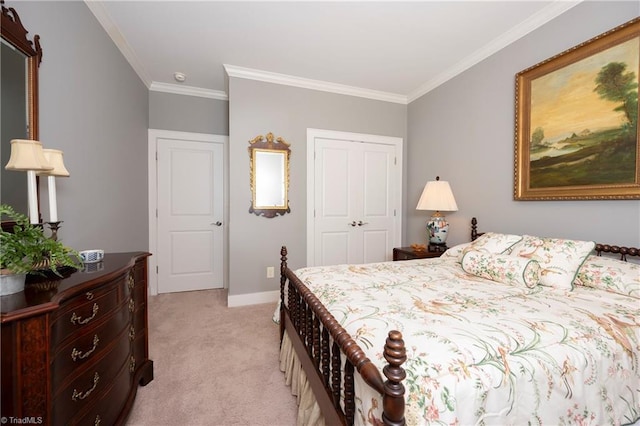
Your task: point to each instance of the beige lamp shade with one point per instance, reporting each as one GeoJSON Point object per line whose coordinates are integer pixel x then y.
{"type": "Point", "coordinates": [437, 196]}
{"type": "Point", "coordinates": [54, 158]}
{"type": "Point", "coordinates": [27, 155]}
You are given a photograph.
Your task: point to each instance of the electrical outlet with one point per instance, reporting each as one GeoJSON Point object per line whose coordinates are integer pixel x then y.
{"type": "Point", "coordinates": [271, 272]}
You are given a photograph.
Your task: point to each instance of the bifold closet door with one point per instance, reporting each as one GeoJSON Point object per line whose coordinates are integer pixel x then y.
{"type": "Point", "coordinates": [354, 218]}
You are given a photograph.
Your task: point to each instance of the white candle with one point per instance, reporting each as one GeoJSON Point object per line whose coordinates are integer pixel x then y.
{"type": "Point", "coordinates": [32, 196]}
{"type": "Point", "coordinates": [53, 202]}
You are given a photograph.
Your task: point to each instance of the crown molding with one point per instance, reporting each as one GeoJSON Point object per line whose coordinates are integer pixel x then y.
{"type": "Point", "coordinates": [306, 83]}
{"type": "Point", "coordinates": [103, 17]}
{"type": "Point", "coordinates": [557, 8]}
{"type": "Point", "coordinates": [179, 89]}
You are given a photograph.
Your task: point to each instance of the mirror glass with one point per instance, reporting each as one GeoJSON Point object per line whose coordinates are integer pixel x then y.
{"type": "Point", "coordinates": [270, 189]}
{"type": "Point", "coordinates": [269, 176]}
{"type": "Point", "coordinates": [14, 116]}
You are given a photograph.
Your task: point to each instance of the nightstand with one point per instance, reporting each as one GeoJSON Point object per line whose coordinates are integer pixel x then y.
{"type": "Point", "coordinates": [407, 253]}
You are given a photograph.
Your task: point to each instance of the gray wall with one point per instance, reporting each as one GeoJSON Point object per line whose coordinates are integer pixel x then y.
{"type": "Point", "coordinates": [94, 107]}
{"type": "Point", "coordinates": [256, 108]}
{"type": "Point", "coordinates": [168, 111]}
{"type": "Point", "coordinates": [463, 131]}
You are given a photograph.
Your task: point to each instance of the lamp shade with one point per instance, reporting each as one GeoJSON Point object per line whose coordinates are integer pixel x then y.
{"type": "Point", "coordinates": [437, 196]}
{"type": "Point", "coordinates": [27, 155]}
{"type": "Point", "coordinates": [54, 158]}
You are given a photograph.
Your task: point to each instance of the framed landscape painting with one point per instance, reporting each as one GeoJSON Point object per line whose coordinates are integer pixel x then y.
{"type": "Point", "coordinates": [577, 121]}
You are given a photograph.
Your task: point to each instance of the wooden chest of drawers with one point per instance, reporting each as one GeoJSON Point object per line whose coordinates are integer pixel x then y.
{"type": "Point", "coordinates": [76, 354]}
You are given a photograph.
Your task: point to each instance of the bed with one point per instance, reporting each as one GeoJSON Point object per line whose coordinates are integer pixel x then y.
{"type": "Point", "coordinates": [505, 329]}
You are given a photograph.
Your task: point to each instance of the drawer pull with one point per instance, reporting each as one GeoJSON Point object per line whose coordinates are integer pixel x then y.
{"type": "Point", "coordinates": [89, 295]}
{"type": "Point", "coordinates": [75, 319]}
{"type": "Point", "coordinates": [132, 333]}
{"type": "Point", "coordinates": [130, 281]}
{"type": "Point", "coordinates": [132, 305]}
{"type": "Point", "coordinates": [76, 354]}
{"type": "Point", "coordinates": [132, 364]}
{"type": "Point", "coordinates": [98, 420]}
{"type": "Point", "coordinates": [82, 395]}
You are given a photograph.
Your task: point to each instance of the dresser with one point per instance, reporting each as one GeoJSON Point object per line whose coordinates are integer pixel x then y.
{"type": "Point", "coordinates": [74, 352]}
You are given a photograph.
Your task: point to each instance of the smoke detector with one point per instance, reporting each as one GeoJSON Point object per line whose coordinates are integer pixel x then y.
{"type": "Point", "coordinates": [180, 77]}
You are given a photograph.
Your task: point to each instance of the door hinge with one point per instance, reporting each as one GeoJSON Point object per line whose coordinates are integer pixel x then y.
{"type": "Point", "coordinates": [156, 213]}
{"type": "Point", "coordinates": [395, 161]}
{"type": "Point", "coordinates": [157, 269]}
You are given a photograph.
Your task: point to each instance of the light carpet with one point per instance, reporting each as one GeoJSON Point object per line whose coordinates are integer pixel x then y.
{"type": "Point", "coordinates": [213, 365]}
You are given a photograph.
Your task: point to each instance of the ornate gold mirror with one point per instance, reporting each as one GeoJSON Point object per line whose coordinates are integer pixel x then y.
{"type": "Point", "coordinates": [269, 175]}
{"type": "Point", "coordinates": [19, 104]}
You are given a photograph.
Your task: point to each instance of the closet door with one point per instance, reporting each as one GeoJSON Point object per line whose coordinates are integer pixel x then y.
{"type": "Point", "coordinates": [355, 189]}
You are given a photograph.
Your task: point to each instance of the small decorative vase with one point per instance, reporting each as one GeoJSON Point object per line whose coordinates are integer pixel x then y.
{"type": "Point", "coordinates": [437, 229]}
{"type": "Point", "coordinates": [11, 283]}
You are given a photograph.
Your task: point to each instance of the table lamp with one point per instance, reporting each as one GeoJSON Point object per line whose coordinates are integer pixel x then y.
{"type": "Point", "coordinates": [437, 196]}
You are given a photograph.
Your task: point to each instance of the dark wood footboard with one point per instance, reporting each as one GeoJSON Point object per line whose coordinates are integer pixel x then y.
{"type": "Point", "coordinates": [318, 340]}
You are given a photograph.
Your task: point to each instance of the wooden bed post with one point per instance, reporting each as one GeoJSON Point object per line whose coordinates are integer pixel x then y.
{"type": "Point", "coordinates": [474, 228]}
{"type": "Point", "coordinates": [283, 279]}
{"type": "Point", "coordinates": [393, 399]}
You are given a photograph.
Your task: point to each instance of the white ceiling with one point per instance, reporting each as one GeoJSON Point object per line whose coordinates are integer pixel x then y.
{"type": "Point", "coordinates": [394, 51]}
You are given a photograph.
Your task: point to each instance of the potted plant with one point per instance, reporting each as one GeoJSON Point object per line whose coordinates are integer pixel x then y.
{"type": "Point", "coordinates": [25, 249]}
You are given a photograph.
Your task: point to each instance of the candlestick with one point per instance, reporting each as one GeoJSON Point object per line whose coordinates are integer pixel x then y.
{"type": "Point", "coordinates": [54, 226]}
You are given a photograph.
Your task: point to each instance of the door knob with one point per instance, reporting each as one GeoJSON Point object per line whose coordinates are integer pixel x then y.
{"type": "Point", "coordinates": [218, 223]}
{"type": "Point", "coordinates": [360, 223]}
{"type": "Point", "coordinates": [353, 223]}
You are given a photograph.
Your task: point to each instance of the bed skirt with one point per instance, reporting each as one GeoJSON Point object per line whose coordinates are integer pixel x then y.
{"type": "Point", "coordinates": [308, 409]}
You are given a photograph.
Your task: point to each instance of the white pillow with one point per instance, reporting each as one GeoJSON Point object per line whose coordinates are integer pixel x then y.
{"type": "Point", "coordinates": [455, 251]}
{"type": "Point", "coordinates": [560, 259]}
{"type": "Point", "coordinates": [502, 268]}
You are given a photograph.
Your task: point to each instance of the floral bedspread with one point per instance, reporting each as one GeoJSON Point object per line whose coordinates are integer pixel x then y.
{"type": "Point", "coordinates": [482, 352]}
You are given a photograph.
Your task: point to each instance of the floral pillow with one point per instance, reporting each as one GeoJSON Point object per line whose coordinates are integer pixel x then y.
{"type": "Point", "coordinates": [610, 274]}
{"type": "Point", "coordinates": [491, 242]}
{"type": "Point", "coordinates": [559, 259]}
{"type": "Point", "coordinates": [502, 268]}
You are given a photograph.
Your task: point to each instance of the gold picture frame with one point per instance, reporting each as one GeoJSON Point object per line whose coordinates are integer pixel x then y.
{"type": "Point", "coordinates": [576, 124]}
{"type": "Point", "coordinates": [269, 172]}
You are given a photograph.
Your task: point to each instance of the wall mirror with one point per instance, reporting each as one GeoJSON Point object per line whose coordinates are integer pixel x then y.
{"type": "Point", "coordinates": [269, 175]}
{"type": "Point", "coordinates": [19, 101]}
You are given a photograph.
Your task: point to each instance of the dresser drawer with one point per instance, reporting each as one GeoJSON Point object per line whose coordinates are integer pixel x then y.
{"type": "Point", "coordinates": [140, 271]}
{"type": "Point", "coordinates": [140, 292]}
{"type": "Point", "coordinates": [140, 342]}
{"type": "Point", "coordinates": [85, 310]}
{"type": "Point", "coordinates": [92, 381]}
{"type": "Point", "coordinates": [106, 411]}
{"type": "Point", "coordinates": [89, 346]}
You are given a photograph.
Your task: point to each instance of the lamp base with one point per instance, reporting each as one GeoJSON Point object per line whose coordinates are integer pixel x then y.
{"type": "Point", "coordinates": [437, 229]}
{"type": "Point", "coordinates": [438, 248]}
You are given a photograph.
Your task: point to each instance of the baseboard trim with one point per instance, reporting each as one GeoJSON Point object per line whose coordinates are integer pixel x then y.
{"type": "Point", "coordinates": [253, 298]}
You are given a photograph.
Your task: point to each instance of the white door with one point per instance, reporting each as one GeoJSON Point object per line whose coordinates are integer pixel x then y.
{"type": "Point", "coordinates": [357, 192]}
{"type": "Point", "coordinates": [190, 213]}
